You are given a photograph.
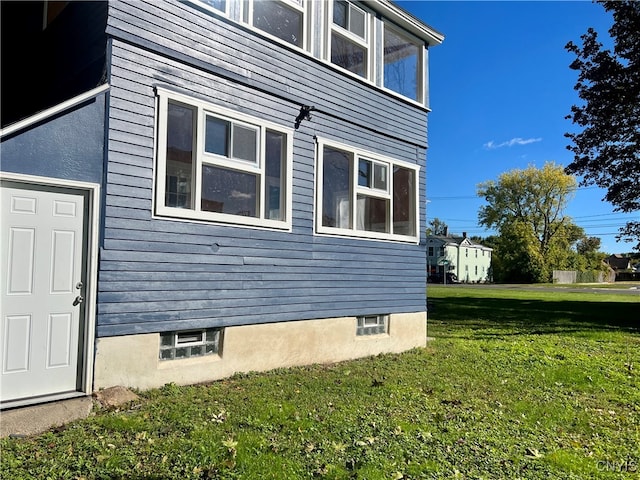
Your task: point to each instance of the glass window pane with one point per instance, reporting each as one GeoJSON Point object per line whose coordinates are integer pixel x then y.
{"type": "Point", "coordinates": [217, 136]}
{"type": "Point", "coordinates": [348, 55]}
{"type": "Point", "coordinates": [166, 354]}
{"type": "Point", "coordinates": [401, 64]}
{"type": "Point", "coordinates": [166, 339]}
{"type": "Point", "coordinates": [404, 191]}
{"type": "Point", "coordinates": [229, 191]}
{"type": "Point", "coordinates": [245, 143]}
{"type": "Point", "coordinates": [279, 20]}
{"type": "Point", "coordinates": [182, 352]}
{"type": "Point", "coordinates": [179, 174]}
{"type": "Point", "coordinates": [189, 337]}
{"type": "Point", "coordinates": [275, 155]}
{"type": "Point", "coordinates": [371, 320]}
{"type": "Point", "coordinates": [212, 335]}
{"type": "Point", "coordinates": [217, 4]}
{"type": "Point", "coordinates": [340, 9]}
{"type": "Point", "coordinates": [380, 176]}
{"type": "Point", "coordinates": [364, 173]}
{"type": "Point", "coordinates": [372, 214]}
{"type": "Point", "coordinates": [336, 188]}
{"type": "Point", "coordinates": [357, 22]}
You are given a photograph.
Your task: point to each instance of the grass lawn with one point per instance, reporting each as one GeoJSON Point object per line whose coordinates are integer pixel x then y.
{"type": "Point", "coordinates": [516, 384]}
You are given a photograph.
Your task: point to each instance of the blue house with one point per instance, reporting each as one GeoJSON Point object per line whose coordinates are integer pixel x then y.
{"type": "Point", "coordinates": [198, 188]}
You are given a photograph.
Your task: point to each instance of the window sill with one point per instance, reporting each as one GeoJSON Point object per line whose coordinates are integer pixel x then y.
{"type": "Point", "coordinates": [363, 235]}
{"type": "Point", "coordinates": [185, 215]}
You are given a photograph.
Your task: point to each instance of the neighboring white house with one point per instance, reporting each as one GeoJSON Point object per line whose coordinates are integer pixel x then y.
{"type": "Point", "coordinates": [469, 261]}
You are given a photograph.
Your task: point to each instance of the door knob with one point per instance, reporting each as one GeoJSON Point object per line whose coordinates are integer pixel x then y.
{"type": "Point", "coordinates": [79, 299]}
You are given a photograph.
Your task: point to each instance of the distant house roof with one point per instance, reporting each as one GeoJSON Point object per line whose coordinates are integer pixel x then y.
{"type": "Point", "coordinates": [618, 262]}
{"type": "Point", "coordinates": [458, 240]}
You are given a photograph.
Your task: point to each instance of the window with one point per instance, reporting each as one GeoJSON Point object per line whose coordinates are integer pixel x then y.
{"type": "Point", "coordinates": [362, 194]}
{"type": "Point", "coordinates": [282, 19]}
{"type": "Point", "coordinates": [372, 325]}
{"type": "Point", "coordinates": [349, 38]}
{"type": "Point", "coordinates": [217, 165]}
{"type": "Point", "coordinates": [403, 69]}
{"type": "Point", "coordinates": [476, 269]}
{"type": "Point", "coordinates": [430, 252]}
{"type": "Point", "coordinates": [466, 252]}
{"type": "Point", "coordinates": [191, 343]}
{"type": "Point", "coordinates": [476, 253]}
{"type": "Point", "coordinates": [220, 5]}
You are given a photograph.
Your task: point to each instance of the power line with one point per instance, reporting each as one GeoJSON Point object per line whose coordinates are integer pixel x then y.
{"type": "Point", "coordinates": [468, 197]}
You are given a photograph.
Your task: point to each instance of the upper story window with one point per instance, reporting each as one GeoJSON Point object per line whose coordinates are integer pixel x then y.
{"type": "Point", "coordinates": [219, 5]}
{"type": "Point", "coordinates": [362, 38]}
{"type": "Point", "coordinates": [282, 19]}
{"type": "Point", "coordinates": [365, 195]}
{"type": "Point", "coordinates": [403, 69]}
{"type": "Point", "coordinates": [349, 38]}
{"type": "Point", "coordinates": [218, 165]}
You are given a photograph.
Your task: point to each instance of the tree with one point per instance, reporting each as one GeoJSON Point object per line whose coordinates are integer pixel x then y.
{"type": "Point", "coordinates": [588, 245]}
{"type": "Point", "coordinates": [437, 227]}
{"type": "Point", "coordinates": [526, 207]}
{"type": "Point", "coordinates": [607, 149]}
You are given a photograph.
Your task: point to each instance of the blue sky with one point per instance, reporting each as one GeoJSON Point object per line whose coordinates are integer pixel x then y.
{"type": "Point", "coordinates": [500, 87]}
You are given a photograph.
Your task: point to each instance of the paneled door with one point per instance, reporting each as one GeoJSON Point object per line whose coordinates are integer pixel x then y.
{"type": "Point", "coordinates": [43, 237]}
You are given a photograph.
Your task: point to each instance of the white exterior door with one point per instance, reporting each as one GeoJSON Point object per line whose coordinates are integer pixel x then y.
{"type": "Point", "coordinates": [42, 286]}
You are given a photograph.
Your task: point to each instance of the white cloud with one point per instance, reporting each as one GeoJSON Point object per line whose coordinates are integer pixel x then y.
{"type": "Point", "coordinates": [491, 145]}
{"type": "Point", "coordinates": [237, 194]}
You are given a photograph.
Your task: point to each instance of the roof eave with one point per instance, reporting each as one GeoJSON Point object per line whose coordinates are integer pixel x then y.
{"type": "Point", "coordinates": [410, 23]}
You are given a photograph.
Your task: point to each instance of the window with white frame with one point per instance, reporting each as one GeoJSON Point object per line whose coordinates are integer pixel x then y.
{"type": "Point", "coordinates": [190, 343]}
{"type": "Point", "coordinates": [217, 5]}
{"type": "Point", "coordinates": [402, 63]}
{"type": "Point", "coordinates": [218, 165]}
{"type": "Point", "coordinates": [363, 194]}
{"type": "Point", "coordinates": [350, 37]}
{"type": "Point", "coordinates": [349, 43]}
{"type": "Point", "coordinates": [372, 325]}
{"type": "Point", "coordinates": [282, 19]}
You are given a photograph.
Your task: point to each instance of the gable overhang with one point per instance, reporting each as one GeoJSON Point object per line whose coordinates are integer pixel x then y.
{"type": "Point", "coordinates": [410, 23]}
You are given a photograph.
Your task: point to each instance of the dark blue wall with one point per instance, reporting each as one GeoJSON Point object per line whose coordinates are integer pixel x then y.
{"type": "Point", "coordinates": [158, 274]}
{"type": "Point", "coordinates": [69, 146]}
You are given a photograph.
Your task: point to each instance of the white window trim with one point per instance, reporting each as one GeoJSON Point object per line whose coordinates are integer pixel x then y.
{"type": "Point", "coordinates": [212, 9]}
{"type": "Point", "coordinates": [303, 6]}
{"type": "Point", "coordinates": [368, 43]}
{"type": "Point", "coordinates": [375, 66]}
{"type": "Point", "coordinates": [421, 88]}
{"type": "Point", "coordinates": [202, 108]}
{"type": "Point", "coordinates": [353, 232]}
{"type": "Point", "coordinates": [177, 343]}
{"type": "Point", "coordinates": [364, 331]}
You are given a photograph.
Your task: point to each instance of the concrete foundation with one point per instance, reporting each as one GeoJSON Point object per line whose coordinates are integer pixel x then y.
{"type": "Point", "coordinates": [133, 360]}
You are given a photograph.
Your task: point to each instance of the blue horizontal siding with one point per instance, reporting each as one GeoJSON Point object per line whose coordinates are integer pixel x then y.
{"type": "Point", "coordinates": [163, 274]}
{"type": "Point", "coordinates": [68, 146]}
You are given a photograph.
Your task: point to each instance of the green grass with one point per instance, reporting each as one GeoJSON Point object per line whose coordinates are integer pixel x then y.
{"type": "Point", "coordinates": [516, 384]}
